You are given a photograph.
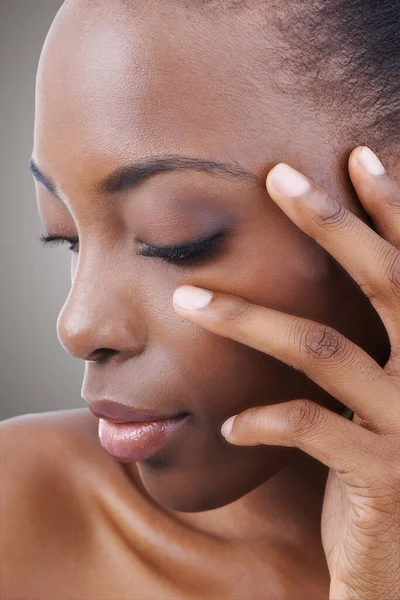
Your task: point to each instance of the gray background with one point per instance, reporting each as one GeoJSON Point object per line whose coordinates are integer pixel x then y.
{"type": "Point", "coordinates": [36, 374]}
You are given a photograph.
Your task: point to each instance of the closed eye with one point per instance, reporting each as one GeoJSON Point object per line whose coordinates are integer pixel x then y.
{"type": "Point", "coordinates": [189, 254]}
{"type": "Point", "coordinates": [54, 240]}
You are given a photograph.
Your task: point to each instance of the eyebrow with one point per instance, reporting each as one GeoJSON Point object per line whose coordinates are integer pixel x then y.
{"type": "Point", "coordinates": [129, 176]}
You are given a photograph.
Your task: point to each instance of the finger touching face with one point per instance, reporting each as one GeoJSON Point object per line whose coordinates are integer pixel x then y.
{"type": "Point", "coordinates": [150, 135]}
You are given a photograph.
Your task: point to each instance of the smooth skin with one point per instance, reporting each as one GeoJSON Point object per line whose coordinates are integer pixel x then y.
{"type": "Point", "coordinates": [204, 518]}
{"type": "Point", "coordinates": [361, 509]}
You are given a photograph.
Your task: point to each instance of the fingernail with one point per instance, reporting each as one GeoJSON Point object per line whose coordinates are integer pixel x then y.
{"type": "Point", "coordinates": [227, 426]}
{"type": "Point", "coordinates": [288, 181]}
{"type": "Point", "coordinates": [370, 162]}
{"type": "Point", "coordinates": [190, 297]}
{"type": "Point", "coordinates": [291, 183]}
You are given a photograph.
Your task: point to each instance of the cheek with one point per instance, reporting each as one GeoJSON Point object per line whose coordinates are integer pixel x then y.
{"type": "Point", "coordinates": [272, 263]}
{"type": "Point", "coordinates": [296, 275]}
{"type": "Point", "coordinates": [217, 377]}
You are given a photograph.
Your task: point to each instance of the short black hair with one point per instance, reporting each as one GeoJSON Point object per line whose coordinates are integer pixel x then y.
{"type": "Point", "coordinates": [342, 55]}
{"type": "Point", "coordinates": [347, 53]}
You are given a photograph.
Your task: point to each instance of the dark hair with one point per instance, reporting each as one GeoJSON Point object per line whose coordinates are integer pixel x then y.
{"type": "Point", "coordinates": [347, 52]}
{"type": "Point", "coordinates": [342, 55]}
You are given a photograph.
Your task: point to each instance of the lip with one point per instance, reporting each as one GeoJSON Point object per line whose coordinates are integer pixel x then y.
{"type": "Point", "coordinates": [132, 442]}
{"type": "Point", "coordinates": [121, 413]}
{"type": "Point", "coordinates": [130, 435]}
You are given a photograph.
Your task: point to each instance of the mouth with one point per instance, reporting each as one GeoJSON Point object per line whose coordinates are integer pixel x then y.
{"type": "Point", "coordinates": [129, 435]}
{"type": "Point", "coordinates": [121, 413]}
{"type": "Point", "coordinates": [132, 442]}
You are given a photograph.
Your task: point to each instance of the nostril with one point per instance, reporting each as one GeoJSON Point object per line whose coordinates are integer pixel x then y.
{"type": "Point", "coordinates": [101, 355]}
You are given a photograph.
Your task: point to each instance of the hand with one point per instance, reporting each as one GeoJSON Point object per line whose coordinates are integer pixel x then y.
{"type": "Point", "coordinates": [361, 509]}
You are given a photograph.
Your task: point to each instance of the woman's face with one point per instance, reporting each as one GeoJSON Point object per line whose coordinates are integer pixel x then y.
{"type": "Point", "coordinates": [114, 89]}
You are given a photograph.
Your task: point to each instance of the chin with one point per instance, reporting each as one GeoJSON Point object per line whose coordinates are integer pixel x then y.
{"type": "Point", "coordinates": [211, 485]}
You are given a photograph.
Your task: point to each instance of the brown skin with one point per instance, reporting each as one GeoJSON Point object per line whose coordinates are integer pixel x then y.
{"type": "Point", "coordinates": [108, 95]}
{"type": "Point", "coordinates": [360, 522]}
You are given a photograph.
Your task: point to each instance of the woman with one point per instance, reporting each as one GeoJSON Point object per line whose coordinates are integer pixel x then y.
{"type": "Point", "coordinates": [176, 124]}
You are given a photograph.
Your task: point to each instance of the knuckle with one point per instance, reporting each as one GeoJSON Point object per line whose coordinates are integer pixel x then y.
{"type": "Point", "coordinates": [250, 418]}
{"type": "Point", "coordinates": [386, 283]}
{"type": "Point", "coordinates": [251, 421]}
{"type": "Point", "coordinates": [237, 310]}
{"type": "Point", "coordinates": [322, 341]}
{"type": "Point", "coordinates": [337, 215]}
{"type": "Point", "coordinates": [302, 416]}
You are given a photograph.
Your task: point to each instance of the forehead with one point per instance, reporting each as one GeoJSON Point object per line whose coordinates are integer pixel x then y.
{"type": "Point", "coordinates": [114, 86]}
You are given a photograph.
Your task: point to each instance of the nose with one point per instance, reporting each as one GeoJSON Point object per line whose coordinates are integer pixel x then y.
{"type": "Point", "coordinates": [100, 317]}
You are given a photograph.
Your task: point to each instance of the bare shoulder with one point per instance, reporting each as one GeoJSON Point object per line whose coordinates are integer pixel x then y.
{"type": "Point", "coordinates": [48, 440]}
{"type": "Point", "coordinates": [44, 507]}
{"type": "Point", "coordinates": [39, 449]}
{"type": "Point", "coordinates": [68, 422]}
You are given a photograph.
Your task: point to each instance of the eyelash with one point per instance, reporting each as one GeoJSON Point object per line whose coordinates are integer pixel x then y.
{"type": "Point", "coordinates": [188, 254]}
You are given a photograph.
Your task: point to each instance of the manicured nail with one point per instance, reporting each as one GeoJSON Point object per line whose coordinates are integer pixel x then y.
{"type": "Point", "coordinates": [288, 181]}
{"type": "Point", "coordinates": [227, 426]}
{"type": "Point", "coordinates": [292, 184]}
{"type": "Point", "coordinates": [370, 162]}
{"type": "Point", "coordinates": [190, 297]}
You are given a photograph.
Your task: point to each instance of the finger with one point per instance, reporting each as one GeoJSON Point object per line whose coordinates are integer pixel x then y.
{"type": "Point", "coordinates": [335, 363]}
{"type": "Point", "coordinates": [378, 192]}
{"type": "Point", "coordinates": [333, 440]}
{"type": "Point", "coordinates": [370, 260]}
